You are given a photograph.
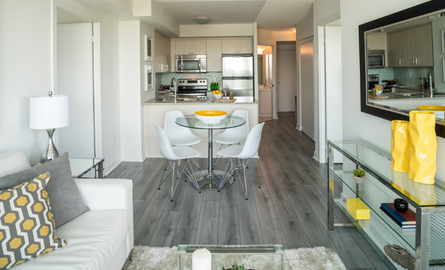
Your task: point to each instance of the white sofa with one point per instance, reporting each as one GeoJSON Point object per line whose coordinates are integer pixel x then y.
{"type": "Point", "coordinates": [99, 239]}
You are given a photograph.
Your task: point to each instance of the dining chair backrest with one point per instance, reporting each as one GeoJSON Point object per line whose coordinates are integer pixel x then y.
{"type": "Point", "coordinates": [244, 129]}
{"type": "Point", "coordinates": [252, 142]}
{"type": "Point", "coordinates": [164, 144]}
{"type": "Point", "coordinates": [172, 129]}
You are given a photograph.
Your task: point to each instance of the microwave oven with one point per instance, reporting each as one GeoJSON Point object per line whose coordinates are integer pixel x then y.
{"type": "Point", "coordinates": [376, 59]}
{"type": "Point", "coordinates": [191, 63]}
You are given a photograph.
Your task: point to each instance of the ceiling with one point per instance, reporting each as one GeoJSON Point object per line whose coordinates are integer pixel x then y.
{"type": "Point", "coordinates": [275, 15]}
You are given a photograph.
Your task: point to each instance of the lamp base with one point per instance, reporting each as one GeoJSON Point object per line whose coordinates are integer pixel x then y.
{"type": "Point", "coordinates": [50, 151]}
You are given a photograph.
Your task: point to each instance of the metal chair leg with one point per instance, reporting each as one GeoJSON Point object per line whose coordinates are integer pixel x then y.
{"type": "Point", "coordinates": [162, 177]}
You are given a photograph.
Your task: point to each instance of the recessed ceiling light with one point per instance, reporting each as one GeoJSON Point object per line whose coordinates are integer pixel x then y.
{"type": "Point", "coordinates": [201, 20]}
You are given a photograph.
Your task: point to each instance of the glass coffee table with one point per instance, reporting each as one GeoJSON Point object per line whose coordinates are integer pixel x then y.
{"type": "Point", "coordinates": [81, 166]}
{"type": "Point", "coordinates": [258, 257]}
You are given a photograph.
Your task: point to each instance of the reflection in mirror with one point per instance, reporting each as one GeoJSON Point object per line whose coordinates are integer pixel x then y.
{"type": "Point", "coordinates": [264, 65]}
{"type": "Point", "coordinates": [148, 77]}
{"type": "Point", "coordinates": [148, 49]}
{"type": "Point", "coordinates": [406, 60]}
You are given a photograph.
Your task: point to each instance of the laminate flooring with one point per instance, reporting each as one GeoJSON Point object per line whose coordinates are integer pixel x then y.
{"type": "Point", "coordinates": [289, 208]}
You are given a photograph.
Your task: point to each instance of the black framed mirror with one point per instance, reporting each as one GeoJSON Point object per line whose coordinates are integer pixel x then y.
{"type": "Point", "coordinates": [404, 53]}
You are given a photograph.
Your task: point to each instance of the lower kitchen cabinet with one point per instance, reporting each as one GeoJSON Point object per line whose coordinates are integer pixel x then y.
{"type": "Point", "coordinates": [265, 103]}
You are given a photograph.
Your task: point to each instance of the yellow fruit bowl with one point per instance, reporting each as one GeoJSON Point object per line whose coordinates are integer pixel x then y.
{"type": "Point", "coordinates": [437, 109]}
{"type": "Point", "coordinates": [210, 116]}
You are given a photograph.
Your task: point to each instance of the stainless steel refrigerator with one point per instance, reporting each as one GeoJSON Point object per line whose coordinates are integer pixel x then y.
{"type": "Point", "coordinates": [237, 74]}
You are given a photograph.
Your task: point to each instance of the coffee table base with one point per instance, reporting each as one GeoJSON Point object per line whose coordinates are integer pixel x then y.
{"type": "Point", "coordinates": [211, 181]}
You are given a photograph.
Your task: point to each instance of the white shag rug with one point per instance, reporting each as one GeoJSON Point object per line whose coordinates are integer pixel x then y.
{"type": "Point", "coordinates": [162, 258]}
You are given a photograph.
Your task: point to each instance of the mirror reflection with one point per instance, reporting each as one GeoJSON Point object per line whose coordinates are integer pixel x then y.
{"type": "Point", "coordinates": [407, 62]}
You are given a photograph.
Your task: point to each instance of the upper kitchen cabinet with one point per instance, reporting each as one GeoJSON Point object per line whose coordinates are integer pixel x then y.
{"type": "Point", "coordinates": [237, 45]}
{"type": "Point", "coordinates": [214, 55]}
{"type": "Point", "coordinates": [191, 46]}
{"type": "Point", "coordinates": [411, 47]}
{"type": "Point", "coordinates": [376, 42]}
{"type": "Point", "coordinates": [162, 53]}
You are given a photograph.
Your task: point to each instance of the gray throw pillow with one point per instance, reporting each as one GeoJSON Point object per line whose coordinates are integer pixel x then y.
{"type": "Point", "coordinates": [66, 201]}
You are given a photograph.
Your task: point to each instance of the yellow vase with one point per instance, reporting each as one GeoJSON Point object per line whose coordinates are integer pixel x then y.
{"type": "Point", "coordinates": [418, 193]}
{"type": "Point", "coordinates": [423, 148]}
{"type": "Point", "coordinates": [400, 143]}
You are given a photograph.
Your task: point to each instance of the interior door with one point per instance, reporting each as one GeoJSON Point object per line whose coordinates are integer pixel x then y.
{"type": "Point", "coordinates": [307, 88]}
{"type": "Point", "coordinates": [75, 79]}
{"type": "Point", "coordinates": [286, 80]}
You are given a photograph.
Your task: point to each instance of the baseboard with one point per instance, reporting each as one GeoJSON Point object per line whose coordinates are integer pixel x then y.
{"type": "Point", "coordinates": [265, 115]}
{"type": "Point", "coordinates": [298, 127]}
{"type": "Point", "coordinates": [316, 156]}
{"type": "Point", "coordinates": [132, 157]}
{"type": "Point", "coordinates": [113, 164]}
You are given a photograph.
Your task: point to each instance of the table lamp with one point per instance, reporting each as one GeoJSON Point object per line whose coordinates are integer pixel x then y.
{"type": "Point", "coordinates": [49, 112]}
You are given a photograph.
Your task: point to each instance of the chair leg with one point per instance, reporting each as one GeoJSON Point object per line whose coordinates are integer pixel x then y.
{"type": "Point", "coordinates": [245, 178]}
{"type": "Point", "coordinates": [164, 178]}
{"type": "Point", "coordinates": [254, 177]}
{"type": "Point", "coordinates": [173, 182]}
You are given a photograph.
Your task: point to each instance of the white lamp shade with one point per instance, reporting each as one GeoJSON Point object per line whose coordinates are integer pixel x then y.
{"type": "Point", "coordinates": [47, 112]}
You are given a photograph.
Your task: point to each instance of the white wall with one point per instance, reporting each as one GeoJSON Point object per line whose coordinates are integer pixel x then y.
{"type": "Point", "coordinates": [217, 30]}
{"type": "Point", "coordinates": [285, 35]}
{"type": "Point", "coordinates": [358, 125]}
{"type": "Point", "coordinates": [25, 70]}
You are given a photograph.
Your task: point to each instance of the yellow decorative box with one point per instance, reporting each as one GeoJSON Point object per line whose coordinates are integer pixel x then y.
{"type": "Point", "coordinates": [357, 208]}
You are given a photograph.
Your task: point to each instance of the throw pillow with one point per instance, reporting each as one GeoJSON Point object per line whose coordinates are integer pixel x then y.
{"type": "Point", "coordinates": [26, 223]}
{"type": "Point", "coordinates": [66, 200]}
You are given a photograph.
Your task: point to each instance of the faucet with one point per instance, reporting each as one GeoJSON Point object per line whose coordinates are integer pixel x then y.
{"type": "Point", "coordinates": [175, 85]}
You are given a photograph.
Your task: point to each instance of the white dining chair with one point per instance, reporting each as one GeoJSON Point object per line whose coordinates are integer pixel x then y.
{"type": "Point", "coordinates": [233, 135]}
{"type": "Point", "coordinates": [239, 157]}
{"type": "Point", "coordinates": [179, 136]}
{"type": "Point", "coordinates": [178, 157]}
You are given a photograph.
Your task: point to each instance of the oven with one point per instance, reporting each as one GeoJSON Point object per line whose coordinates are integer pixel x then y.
{"type": "Point", "coordinates": [192, 87]}
{"type": "Point", "coordinates": [191, 63]}
{"type": "Point", "coordinates": [376, 59]}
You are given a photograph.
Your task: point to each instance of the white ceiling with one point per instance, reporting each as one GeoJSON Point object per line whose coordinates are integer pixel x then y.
{"type": "Point", "coordinates": [276, 15]}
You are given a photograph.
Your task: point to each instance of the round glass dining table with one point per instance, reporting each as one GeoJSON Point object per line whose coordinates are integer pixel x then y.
{"type": "Point", "coordinates": [211, 178]}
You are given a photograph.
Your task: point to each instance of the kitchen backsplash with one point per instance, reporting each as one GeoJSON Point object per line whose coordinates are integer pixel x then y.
{"type": "Point", "coordinates": [166, 78]}
{"type": "Point", "coordinates": [402, 74]}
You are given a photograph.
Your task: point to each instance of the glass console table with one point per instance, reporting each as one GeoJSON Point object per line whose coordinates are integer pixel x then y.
{"type": "Point", "coordinates": [258, 257]}
{"type": "Point", "coordinates": [382, 185]}
{"type": "Point", "coordinates": [81, 166]}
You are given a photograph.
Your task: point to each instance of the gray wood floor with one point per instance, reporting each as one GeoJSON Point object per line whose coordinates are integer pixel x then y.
{"type": "Point", "coordinates": [289, 209]}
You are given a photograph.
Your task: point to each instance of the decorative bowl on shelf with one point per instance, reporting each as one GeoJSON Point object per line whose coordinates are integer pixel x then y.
{"type": "Point", "coordinates": [210, 116]}
{"type": "Point", "coordinates": [217, 96]}
{"type": "Point", "coordinates": [437, 109]}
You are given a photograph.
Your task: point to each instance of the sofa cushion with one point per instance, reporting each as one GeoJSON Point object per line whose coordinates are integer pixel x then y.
{"type": "Point", "coordinates": [26, 223]}
{"type": "Point", "coordinates": [12, 162]}
{"type": "Point", "coordinates": [65, 198]}
{"type": "Point", "coordinates": [94, 239]}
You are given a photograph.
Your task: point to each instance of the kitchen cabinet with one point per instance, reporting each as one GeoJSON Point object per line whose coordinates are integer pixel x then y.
{"type": "Point", "coordinates": [376, 42]}
{"type": "Point", "coordinates": [411, 47]}
{"type": "Point", "coordinates": [265, 103]}
{"type": "Point", "coordinates": [395, 49]}
{"type": "Point", "coordinates": [214, 55]}
{"type": "Point", "coordinates": [191, 46]}
{"type": "Point", "coordinates": [162, 53]}
{"type": "Point", "coordinates": [237, 45]}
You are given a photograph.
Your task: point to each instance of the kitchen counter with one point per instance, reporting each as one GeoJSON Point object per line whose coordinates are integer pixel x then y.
{"type": "Point", "coordinates": [397, 96]}
{"type": "Point", "coordinates": [154, 113]}
{"type": "Point", "coordinates": [171, 100]}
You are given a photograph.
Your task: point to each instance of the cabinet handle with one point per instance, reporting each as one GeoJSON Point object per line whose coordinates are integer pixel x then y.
{"type": "Point", "coordinates": [400, 62]}
{"type": "Point", "coordinates": [416, 61]}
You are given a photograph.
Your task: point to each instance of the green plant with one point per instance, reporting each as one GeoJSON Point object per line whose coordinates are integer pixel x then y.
{"type": "Point", "coordinates": [235, 267]}
{"type": "Point", "coordinates": [359, 173]}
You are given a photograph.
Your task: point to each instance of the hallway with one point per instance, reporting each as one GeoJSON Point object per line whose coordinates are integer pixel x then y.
{"type": "Point", "coordinates": [289, 209]}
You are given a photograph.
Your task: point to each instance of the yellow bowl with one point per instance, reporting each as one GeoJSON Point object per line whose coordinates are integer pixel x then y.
{"type": "Point", "coordinates": [210, 113]}
{"type": "Point", "coordinates": [437, 109]}
{"type": "Point", "coordinates": [431, 107]}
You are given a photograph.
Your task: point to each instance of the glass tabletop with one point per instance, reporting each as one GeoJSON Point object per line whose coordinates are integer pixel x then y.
{"type": "Point", "coordinates": [190, 121]}
{"type": "Point", "coordinates": [80, 166]}
{"type": "Point", "coordinates": [258, 257]}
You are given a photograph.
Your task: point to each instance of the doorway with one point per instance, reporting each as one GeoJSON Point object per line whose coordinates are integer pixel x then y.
{"type": "Point", "coordinates": [76, 77]}
{"type": "Point", "coordinates": [265, 82]}
{"type": "Point", "coordinates": [286, 79]}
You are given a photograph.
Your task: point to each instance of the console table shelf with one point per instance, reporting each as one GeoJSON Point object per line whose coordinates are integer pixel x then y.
{"type": "Point", "coordinates": [382, 185]}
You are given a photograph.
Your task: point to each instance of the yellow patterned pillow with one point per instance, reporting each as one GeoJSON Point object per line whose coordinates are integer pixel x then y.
{"type": "Point", "coordinates": [26, 223]}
